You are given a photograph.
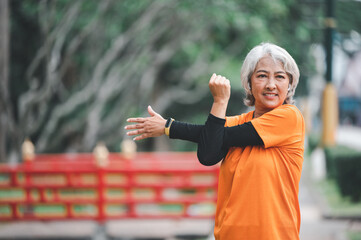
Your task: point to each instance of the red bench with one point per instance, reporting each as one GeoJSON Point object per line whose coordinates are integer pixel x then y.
{"type": "Point", "coordinates": [73, 186]}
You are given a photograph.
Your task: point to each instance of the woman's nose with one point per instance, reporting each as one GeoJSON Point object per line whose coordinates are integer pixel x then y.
{"type": "Point", "coordinates": [271, 83]}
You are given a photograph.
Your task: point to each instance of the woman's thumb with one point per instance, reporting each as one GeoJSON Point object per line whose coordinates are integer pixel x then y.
{"type": "Point", "coordinates": [151, 111]}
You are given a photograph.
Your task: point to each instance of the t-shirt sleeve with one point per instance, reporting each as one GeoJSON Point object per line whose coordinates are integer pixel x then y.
{"type": "Point", "coordinates": [280, 127]}
{"type": "Point", "coordinates": [185, 131]}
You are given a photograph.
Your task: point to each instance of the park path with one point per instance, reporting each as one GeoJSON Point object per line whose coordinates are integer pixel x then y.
{"type": "Point", "coordinates": [313, 225]}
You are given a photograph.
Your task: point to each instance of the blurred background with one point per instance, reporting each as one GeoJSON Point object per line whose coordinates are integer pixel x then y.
{"type": "Point", "coordinates": [72, 72]}
{"type": "Point", "coordinates": [75, 70]}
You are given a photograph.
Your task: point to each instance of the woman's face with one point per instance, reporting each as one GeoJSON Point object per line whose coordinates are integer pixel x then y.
{"type": "Point", "coordinates": [269, 85]}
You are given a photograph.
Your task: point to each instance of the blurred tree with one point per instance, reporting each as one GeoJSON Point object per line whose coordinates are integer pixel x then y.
{"type": "Point", "coordinates": [4, 74]}
{"type": "Point", "coordinates": [348, 16]}
{"type": "Point", "coordinates": [80, 68]}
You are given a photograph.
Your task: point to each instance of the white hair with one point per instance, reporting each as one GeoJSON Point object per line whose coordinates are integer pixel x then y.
{"type": "Point", "coordinates": [278, 54]}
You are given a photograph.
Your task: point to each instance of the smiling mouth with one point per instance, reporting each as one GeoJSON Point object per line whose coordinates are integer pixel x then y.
{"type": "Point", "coordinates": [270, 94]}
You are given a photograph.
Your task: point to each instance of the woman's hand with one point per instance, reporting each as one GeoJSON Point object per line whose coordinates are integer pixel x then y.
{"type": "Point", "coordinates": [220, 88]}
{"type": "Point", "coordinates": [152, 126]}
{"type": "Point", "coordinates": [221, 91]}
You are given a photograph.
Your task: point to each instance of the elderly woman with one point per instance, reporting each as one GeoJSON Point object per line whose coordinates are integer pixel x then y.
{"type": "Point", "coordinates": [261, 151]}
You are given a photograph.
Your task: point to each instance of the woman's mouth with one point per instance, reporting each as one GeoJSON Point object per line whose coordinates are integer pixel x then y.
{"type": "Point", "coordinates": [270, 94]}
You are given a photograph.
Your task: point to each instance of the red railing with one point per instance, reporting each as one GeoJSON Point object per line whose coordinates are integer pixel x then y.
{"type": "Point", "coordinates": [151, 185]}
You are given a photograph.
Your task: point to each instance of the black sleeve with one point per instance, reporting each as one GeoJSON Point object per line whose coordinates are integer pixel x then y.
{"type": "Point", "coordinates": [215, 139]}
{"type": "Point", "coordinates": [185, 131]}
{"type": "Point", "coordinates": [241, 136]}
{"type": "Point", "coordinates": [210, 146]}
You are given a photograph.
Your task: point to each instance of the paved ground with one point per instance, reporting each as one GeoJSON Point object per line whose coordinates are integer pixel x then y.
{"type": "Point", "coordinates": [161, 229]}
{"type": "Point", "coordinates": [313, 226]}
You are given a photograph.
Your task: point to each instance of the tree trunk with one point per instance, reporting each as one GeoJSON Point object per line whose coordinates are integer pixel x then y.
{"type": "Point", "coordinates": [4, 73]}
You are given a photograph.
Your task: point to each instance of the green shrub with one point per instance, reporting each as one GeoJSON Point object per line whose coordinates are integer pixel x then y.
{"type": "Point", "coordinates": [344, 165]}
{"type": "Point", "coordinates": [354, 235]}
{"type": "Point", "coordinates": [348, 176]}
{"type": "Point", "coordinates": [313, 142]}
{"type": "Point", "coordinates": [332, 154]}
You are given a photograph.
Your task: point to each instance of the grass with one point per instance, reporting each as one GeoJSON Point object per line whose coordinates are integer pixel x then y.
{"type": "Point", "coordinates": [354, 235]}
{"type": "Point", "coordinates": [339, 206]}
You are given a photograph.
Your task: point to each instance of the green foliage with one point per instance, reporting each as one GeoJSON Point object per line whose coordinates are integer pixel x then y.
{"type": "Point", "coordinates": [333, 154]}
{"type": "Point", "coordinates": [201, 37]}
{"type": "Point", "coordinates": [344, 165]}
{"type": "Point", "coordinates": [336, 204]}
{"type": "Point", "coordinates": [313, 141]}
{"type": "Point", "coordinates": [354, 235]}
{"type": "Point", "coordinates": [348, 16]}
{"type": "Point", "coordinates": [349, 176]}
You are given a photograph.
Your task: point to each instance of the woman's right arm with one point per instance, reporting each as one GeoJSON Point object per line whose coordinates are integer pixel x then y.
{"type": "Point", "coordinates": [154, 126]}
{"type": "Point", "coordinates": [185, 131]}
{"type": "Point", "coordinates": [213, 138]}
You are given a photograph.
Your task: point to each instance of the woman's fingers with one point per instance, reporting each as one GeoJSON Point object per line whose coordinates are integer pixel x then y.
{"type": "Point", "coordinates": [135, 126]}
{"type": "Point", "coordinates": [132, 133]}
{"type": "Point", "coordinates": [140, 123]}
{"type": "Point", "coordinates": [218, 80]}
{"type": "Point", "coordinates": [140, 137]}
{"type": "Point", "coordinates": [146, 127]}
{"type": "Point", "coordinates": [213, 78]}
{"type": "Point", "coordinates": [138, 120]}
{"type": "Point", "coordinates": [220, 88]}
{"type": "Point", "coordinates": [144, 134]}
{"type": "Point", "coordinates": [151, 111]}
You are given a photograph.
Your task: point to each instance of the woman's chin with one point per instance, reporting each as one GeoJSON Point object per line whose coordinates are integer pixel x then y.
{"type": "Point", "coordinates": [270, 104]}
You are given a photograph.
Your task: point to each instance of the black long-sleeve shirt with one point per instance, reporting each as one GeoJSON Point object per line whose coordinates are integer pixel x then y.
{"type": "Point", "coordinates": [214, 139]}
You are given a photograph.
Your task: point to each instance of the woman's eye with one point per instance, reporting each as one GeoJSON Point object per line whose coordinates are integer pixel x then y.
{"type": "Point", "coordinates": [262, 76]}
{"type": "Point", "coordinates": [281, 76]}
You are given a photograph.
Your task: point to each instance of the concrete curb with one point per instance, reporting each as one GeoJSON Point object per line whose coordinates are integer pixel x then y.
{"type": "Point", "coordinates": [134, 229]}
{"type": "Point", "coordinates": [48, 230]}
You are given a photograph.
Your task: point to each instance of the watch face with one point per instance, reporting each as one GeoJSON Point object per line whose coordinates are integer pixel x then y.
{"type": "Point", "coordinates": [167, 123]}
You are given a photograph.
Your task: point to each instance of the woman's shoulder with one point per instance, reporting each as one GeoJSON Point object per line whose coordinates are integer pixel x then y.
{"type": "Point", "coordinates": [238, 119]}
{"type": "Point", "coordinates": [286, 113]}
{"type": "Point", "coordinates": [288, 109]}
{"type": "Point", "coordinates": [289, 106]}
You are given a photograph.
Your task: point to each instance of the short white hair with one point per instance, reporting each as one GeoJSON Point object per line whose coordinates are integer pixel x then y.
{"type": "Point", "coordinates": [278, 54]}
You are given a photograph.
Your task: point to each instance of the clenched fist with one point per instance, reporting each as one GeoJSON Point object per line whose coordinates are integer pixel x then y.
{"type": "Point", "coordinates": [220, 88]}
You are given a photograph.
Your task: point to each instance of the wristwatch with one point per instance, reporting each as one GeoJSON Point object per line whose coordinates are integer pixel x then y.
{"type": "Point", "coordinates": [167, 126]}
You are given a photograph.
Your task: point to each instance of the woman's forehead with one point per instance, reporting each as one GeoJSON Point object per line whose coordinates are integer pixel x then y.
{"type": "Point", "coordinates": [269, 63]}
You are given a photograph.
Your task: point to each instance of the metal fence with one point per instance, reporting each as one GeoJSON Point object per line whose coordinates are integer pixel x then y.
{"type": "Point", "coordinates": [75, 186]}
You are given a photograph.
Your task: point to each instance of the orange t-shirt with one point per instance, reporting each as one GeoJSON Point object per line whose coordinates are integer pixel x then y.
{"type": "Point", "coordinates": [258, 185]}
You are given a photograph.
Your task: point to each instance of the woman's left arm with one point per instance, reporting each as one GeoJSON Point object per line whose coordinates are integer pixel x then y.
{"type": "Point", "coordinates": [210, 146]}
{"type": "Point", "coordinates": [215, 139]}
